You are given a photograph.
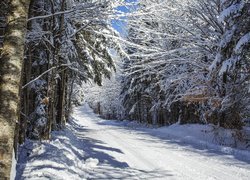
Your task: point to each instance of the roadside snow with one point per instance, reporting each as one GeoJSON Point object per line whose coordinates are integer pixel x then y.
{"type": "Point", "coordinates": [92, 148]}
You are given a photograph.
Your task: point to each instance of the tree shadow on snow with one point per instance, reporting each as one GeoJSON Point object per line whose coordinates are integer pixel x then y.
{"type": "Point", "coordinates": [69, 151]}
{"type": "Point", "coordinates": [180, 144]}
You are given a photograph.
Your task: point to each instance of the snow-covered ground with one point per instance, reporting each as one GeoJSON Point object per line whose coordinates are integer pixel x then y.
{"type": "Point", "coordinates": [92, 148]}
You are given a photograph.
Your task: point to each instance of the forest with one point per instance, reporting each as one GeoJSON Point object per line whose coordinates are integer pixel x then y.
{"type": "Point", "coordinates": [155, 62]}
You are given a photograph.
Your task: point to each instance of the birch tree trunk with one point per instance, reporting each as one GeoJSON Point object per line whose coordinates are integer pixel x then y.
{"type": "Point", "coordinates": [10, 75]}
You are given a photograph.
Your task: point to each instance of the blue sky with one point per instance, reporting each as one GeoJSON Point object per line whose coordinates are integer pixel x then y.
{"type": "Point", "coordinates": [120, 25]}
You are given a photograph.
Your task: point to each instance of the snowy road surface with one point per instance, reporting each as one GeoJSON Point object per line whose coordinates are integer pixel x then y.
{"type": "Point", "coordinates": [100, 149]}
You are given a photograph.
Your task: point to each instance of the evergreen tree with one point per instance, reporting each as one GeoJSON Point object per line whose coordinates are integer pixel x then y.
{"type": "Point", "coordinates": [229, 72]}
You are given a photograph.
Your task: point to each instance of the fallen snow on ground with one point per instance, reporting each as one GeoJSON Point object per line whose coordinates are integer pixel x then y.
{"type": "Point", "coordinates": [92, 148]}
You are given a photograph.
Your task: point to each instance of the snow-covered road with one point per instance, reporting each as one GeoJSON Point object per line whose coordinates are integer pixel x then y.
{"type": "Point", "coordinates": [104, 149]}
{"type": "Point", "coordinates": [161, 158]}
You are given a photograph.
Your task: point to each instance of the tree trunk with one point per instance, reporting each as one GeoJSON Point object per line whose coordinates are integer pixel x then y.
{"type": "Point", "coordinates": [69, 98]}
{"type": "Point", "coordinates": [61, 100]}
{"type": "Point", "coordinates": [62, 81]}
{"type": "Point", "coordinates": [10, 75]}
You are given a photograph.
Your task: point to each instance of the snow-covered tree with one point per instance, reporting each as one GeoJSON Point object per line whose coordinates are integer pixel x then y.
{"type": "Point", "coordinates": [67, 42]}
{"type": "Point", "coordinates": [105, 99]}
{"type": "Point", "coordinates": [229, 72]}
{"type": "Point", "coordinates": [170, 70]}
{"type": "Point", "coordinates": [157, 73]}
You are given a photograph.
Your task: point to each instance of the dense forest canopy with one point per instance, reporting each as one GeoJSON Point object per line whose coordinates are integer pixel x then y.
{"type": "Point", "coordinates": [175, 61]}
{"type": "Point", "coordinates": [188, 61]}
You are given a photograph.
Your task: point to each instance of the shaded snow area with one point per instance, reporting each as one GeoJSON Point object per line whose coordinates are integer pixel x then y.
{"type": "Point", "coordinates": [92, 148]}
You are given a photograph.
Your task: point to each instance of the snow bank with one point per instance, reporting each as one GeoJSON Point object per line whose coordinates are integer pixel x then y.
{"type": "Point", "coordinates": [208, 136]}
{"type": "Point", "coordinates": [205, 135]}
{"type": "Point", "coordinates": [57, 159]}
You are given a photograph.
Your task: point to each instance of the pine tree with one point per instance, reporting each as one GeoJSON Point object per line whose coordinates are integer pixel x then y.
{"type": "Point", "coordinates": [64, 48]}
{"type": "Point", "coordinates": [229, 71]}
